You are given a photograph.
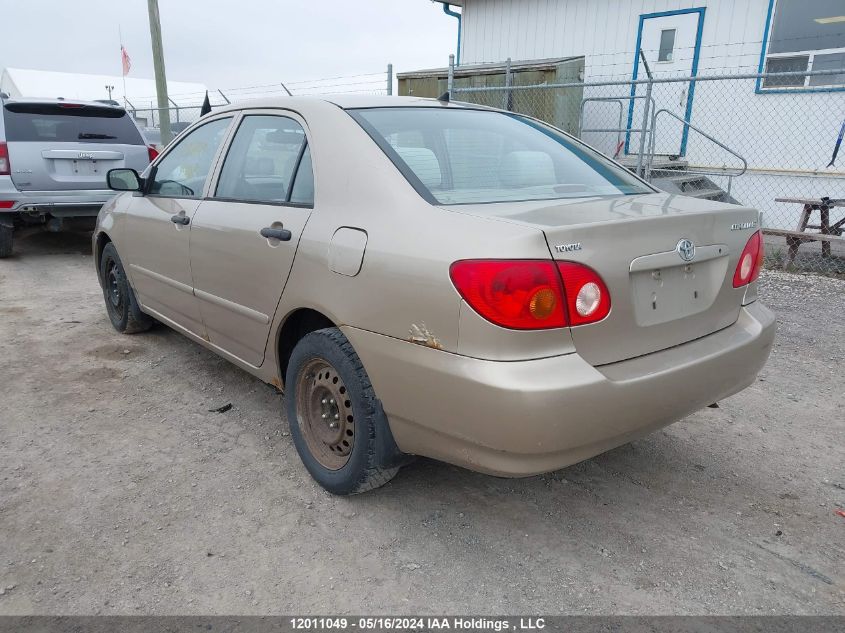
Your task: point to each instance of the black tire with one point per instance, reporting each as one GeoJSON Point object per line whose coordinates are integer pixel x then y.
{"type": "Point", "coordinates": [6, 237]}
{"type": "Point", "coordinates": [121, 305]}
{"type": "Point", "coordinates": [374, 458]}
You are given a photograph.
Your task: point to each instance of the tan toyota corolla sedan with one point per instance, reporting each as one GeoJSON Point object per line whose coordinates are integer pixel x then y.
{"type": "Point", "coordinates": [438, 279]}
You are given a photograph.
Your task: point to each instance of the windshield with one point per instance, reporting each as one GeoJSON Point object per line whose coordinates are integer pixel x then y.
{"type": "Point", "coordinates": [464, 156]}
{"type": "Point", "coordinates": [69, 123]}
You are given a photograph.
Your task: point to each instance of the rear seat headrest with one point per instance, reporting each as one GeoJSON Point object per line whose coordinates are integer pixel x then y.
{"type": "Point", "coordinates": [423, 163]}
{"type": "Point", "coordinates": [527, 169]}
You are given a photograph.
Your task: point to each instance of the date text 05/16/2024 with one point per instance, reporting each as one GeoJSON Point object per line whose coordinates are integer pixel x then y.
{"type": "Point", "coordinates": [406, 623]}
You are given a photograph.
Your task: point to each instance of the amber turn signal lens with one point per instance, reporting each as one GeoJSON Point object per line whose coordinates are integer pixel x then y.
{"type": "Point", "coordinates": [542, 304]}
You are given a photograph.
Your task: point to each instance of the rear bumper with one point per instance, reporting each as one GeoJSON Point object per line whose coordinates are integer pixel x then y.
{"type": "Point", "coordinates": [70, 203]}
{"type": "Point", "coordinates": [527, 417]}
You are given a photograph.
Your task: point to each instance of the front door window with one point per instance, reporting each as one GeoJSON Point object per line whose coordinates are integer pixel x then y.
{"type": "Point", "coordinates": [183, 171]}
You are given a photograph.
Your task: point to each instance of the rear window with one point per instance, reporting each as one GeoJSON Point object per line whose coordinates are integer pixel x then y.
{"type": "Point", "coordinates": [69, 123]}
{"type": "Point", "coordinates": [466, 156]}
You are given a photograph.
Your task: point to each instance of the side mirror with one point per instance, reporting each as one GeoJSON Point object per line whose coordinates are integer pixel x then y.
{"type": "Point", "coordinates": [123, 180]}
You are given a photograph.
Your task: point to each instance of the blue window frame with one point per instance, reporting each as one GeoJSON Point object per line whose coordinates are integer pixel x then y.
{"type": "Point", "coordinates": [803, 35]}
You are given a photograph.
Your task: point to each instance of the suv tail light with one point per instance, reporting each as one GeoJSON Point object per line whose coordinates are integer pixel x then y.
{"type": "Point", "coordinates": [5, 167]}
{"type": "Point", "coordinates": [750, 262]}
{"type": "Point", "coordinates": [531, 294]}
{"type": "Point", "coordinates": [152, 152]}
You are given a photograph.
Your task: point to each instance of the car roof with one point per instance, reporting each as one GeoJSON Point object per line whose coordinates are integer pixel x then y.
{"type": "Point", "coordinates": [343, 101]}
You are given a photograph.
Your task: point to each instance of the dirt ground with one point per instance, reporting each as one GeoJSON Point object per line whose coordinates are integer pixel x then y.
{"type": "Point", "coordinates": [121, 493]}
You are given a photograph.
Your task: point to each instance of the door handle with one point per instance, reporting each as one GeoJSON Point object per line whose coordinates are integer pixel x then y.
{"type": "Point", "coordinates": [180, 219]}
{"type": "Point", "coordinates": [277, 234]}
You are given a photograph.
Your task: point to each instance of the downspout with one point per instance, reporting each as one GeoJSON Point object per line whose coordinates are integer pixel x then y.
{"type": "Point", "coordinates": [457, 15]}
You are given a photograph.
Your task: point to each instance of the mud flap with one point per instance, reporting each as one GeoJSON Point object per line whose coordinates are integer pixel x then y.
{"type": "Point", "coordinates": [387, 453]}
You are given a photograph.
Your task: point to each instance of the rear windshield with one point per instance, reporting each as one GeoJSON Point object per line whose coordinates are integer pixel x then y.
{"type": "Point", "coordinates": [464, 156]}
{"type": "Point", "coordinates": [152, 135]}
{"type": "Point", "coordinates": [69, 123]}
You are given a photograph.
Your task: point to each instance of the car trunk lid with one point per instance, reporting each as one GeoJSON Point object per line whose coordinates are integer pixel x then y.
{"type": "Point", "coordinates": [658, 299]}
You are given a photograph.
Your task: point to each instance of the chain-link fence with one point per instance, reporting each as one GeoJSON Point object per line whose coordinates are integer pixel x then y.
{"type": "Point", "coordinates": [180, 117]}
{"type": "Point", "coordinates": [761, 140]}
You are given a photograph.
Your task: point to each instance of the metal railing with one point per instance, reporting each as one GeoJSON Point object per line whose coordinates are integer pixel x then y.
{"type": "Point", "coordinates": [704, 171]}
{"type": "Point", "coordinates": [620, 129]}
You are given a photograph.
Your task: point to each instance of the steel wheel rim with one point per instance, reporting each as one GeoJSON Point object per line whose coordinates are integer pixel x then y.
{"type": "Point", "coordinates": [324, 414]}
{"type": "Point", "coordinates": [114, 295]}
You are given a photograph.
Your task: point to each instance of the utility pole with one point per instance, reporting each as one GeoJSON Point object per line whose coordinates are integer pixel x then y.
{"type": "Point", "coordinates": [161, 76]}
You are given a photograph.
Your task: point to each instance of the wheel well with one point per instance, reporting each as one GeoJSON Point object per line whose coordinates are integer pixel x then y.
{"type": "Point", "coordinates": [102, 240]}
{"type": "Point", "coordinates": [298, 324]}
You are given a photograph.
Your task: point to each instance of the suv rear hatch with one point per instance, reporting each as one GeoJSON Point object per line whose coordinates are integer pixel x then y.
{"type": "Point", "coordinates": [658, 300]}
{"type": "Point", "coordinates": [68, 146]}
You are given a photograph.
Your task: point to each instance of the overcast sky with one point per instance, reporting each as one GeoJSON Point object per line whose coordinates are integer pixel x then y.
{"type": "Point", "coordinates": [228, 43]}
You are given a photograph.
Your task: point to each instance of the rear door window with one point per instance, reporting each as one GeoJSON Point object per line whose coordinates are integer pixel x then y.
{"type": "Point", "coordinates": [69, 123]}
{"type": "Point", "coordinates": [262, 159]}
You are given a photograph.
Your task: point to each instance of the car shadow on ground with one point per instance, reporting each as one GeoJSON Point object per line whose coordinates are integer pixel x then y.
{"type": "Point", "coordinates": [35, 241]}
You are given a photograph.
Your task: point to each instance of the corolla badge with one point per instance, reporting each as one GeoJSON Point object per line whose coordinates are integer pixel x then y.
{"type": "Point", "coordinates": [741, 226]}
{"type": "Point", "coordinates": [686, 249]}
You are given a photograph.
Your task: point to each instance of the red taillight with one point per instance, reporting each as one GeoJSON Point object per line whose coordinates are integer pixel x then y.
{"type": "Point", "coordinates": [529, 295]}
{"type": "Point", "coordinates": [750, 262]}
{"type": "Point", "coordinates": [5, 168]}
{"type": "Point", "coordinates": [516, 294]}
{"type": "Point", "coordinates": [587, 296]}
{"type": "Point", "coordinates": [153, 152]}
{"type": "Point", "coordinates": [6, 204]}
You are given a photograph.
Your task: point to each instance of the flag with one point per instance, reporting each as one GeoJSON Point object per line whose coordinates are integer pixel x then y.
{"type": "Point", "coordinates": [206, 105]}
{"type": "Point", "coordinates": [124, 58]}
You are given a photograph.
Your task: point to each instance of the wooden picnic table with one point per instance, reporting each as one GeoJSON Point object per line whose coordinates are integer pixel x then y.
{"type": "Point", "coordinates": [827, 232]}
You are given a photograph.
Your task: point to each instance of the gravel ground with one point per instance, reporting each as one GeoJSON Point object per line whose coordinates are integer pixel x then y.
{"type": "Point", "coordinates": [121, 493]}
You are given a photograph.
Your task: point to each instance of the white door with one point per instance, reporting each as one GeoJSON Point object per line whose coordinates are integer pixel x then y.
{"type": "Point", "coordinates": [670, 44]}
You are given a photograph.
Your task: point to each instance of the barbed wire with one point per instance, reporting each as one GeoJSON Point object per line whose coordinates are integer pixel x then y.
{"type": "Point", "coordinates": [276, 86]}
